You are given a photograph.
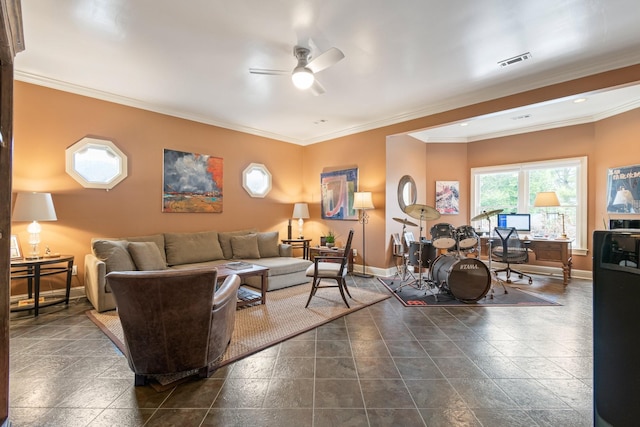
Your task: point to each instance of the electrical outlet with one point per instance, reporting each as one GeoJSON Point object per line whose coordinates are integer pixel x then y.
{"type": "Point", "coordinates": [355, 252]}
{"type": "Point", "coordinates": [74, 270]}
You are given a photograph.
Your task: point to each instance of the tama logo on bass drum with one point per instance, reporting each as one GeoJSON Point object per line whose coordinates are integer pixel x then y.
{"type": "Point", "coordinates": [468, 266]}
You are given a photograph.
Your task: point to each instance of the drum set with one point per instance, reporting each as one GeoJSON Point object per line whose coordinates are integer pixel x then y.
{"type": "Point", "coordinates": [454, 271]}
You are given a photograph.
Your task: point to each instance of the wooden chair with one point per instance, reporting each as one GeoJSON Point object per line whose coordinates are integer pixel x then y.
{"type": "Point", "coordinates": [331, 268]}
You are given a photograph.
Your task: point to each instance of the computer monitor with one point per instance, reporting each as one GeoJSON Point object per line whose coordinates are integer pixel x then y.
{"type": "Point", "coordinates": [521, 222]}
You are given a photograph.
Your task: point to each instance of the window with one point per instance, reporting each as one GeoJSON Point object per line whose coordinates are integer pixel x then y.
{"type": "Point", "coordinates": [256, 180]}
{"type": "Point", "coordinates": [513, 189]}
{"type": "Point", "coordinates": [96, 163]}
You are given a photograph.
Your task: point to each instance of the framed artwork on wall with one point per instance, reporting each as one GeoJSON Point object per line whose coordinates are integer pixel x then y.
{"type": "Point", "coordinates": [336, 192]}
{"type": "Point", "coordinates": [191, 182]}
{"type": "Point", "coordinates": [448, 197]}
{"type": "Point", "coordinates": [623, 190]}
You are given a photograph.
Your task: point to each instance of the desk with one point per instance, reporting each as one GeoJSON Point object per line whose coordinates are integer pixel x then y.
{"type": "Point", "coordinates": [324, 251]}
{"type": "Point", "coordinates": [299, 243]}
{"type": "Point", "coordinates": [545, 250]}
{"type": "Point", "coordinates": [33, 270]}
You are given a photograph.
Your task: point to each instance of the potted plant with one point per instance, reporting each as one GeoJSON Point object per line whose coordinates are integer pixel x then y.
{"type": "Point", "coordinates": [330, 239]}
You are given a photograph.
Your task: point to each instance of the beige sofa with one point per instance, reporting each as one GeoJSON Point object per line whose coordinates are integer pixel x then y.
{"type": "Point", "coordinates": [188, 250]}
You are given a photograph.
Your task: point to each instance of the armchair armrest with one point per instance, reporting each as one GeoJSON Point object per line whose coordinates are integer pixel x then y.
{"type": "Point", "coordinates": [228, 290]}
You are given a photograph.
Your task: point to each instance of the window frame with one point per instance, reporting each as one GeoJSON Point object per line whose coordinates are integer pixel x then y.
{"type": "Point", "coordinates": [579, 245]}
{"type": "Point", "coordinates": [102, 144]}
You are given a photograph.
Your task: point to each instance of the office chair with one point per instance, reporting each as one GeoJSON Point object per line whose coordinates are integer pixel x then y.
{"type": "Point", "coordinates": [507, 248]}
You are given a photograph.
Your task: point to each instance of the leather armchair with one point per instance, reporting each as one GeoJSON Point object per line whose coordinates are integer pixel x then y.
{"type": "Point", "coordinates": [174, 320]}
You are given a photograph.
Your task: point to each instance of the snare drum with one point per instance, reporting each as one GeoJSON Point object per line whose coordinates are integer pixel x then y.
{"type": "Point", "coordinates": [467, 279]}
{"type": "Point", "coordinates": [428, 253]}
{"type": "Point", "coordinates": [443, 236]}
{"type": "Point", "coordinates": [467, 237]}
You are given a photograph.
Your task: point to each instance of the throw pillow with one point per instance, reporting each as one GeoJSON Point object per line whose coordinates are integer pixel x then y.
{"type": "Point", "coordinates": [245, 247]}
{"type": "Point", "coordinates": [268, 244]}
{"type": "Point", "coordinates": [114, 254]}
{"type": "Point", "coordinates": [146, 256]}
{"type": "Point", "coordinates": [188, 248]}
{"type": "Point", "coordinates": [225, 240]}
{"type": "Point", "coordinates": [158, 239]}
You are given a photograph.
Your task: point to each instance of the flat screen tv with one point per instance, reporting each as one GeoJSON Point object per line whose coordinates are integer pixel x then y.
{"type": "Point", "coordinates": [521, 222]}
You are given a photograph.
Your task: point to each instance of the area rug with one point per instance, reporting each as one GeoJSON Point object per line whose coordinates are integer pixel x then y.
{"type": "Point", "coordinates": [262, 326]}
{"type": "Point", "coordinates": [515, 297]}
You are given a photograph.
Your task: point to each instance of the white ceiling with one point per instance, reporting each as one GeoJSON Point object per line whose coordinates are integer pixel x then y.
{"type": "Point", "coordinates": [404, 59]}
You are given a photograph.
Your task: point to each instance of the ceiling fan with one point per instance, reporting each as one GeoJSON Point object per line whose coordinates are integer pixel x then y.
{"type": "Point", "coordinates": [303, 75]}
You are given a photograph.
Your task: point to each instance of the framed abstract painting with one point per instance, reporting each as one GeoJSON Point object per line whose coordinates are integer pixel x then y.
{"type": "Point", "coordinates": [448, 197]}
{"type": "Point", "coordinates": [336, 192]}
{"type": "Point", "coordinates": [191, 182]}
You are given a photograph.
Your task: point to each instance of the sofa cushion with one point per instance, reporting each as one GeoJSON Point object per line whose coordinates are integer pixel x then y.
{"type": "Point", "coordinates": [245, 247]}
{"type": "Point", "coordinates": [284, 265]}
{"type": "Point", "coordinates": [146, 256]}
{"type": "Point", "coordinates": [268, 244]}
{"type": "Point", "coordinates": [158, 239]}
{"type": "Point", "coordinates": [185, 248]}
{"type": "Point", "coordinates": [114, 254]}
{"type": "Point", "coordinates": [225, 240]}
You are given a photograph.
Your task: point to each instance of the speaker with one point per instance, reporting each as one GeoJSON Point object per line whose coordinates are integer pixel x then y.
{"type": "Point", "coordinates": [616, 328]}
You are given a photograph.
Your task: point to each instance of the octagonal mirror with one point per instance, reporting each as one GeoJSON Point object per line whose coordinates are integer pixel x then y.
{"type": "Point", "coordinates": [256, 180]}
{"type": "Point", "coordinates": [96, 163]}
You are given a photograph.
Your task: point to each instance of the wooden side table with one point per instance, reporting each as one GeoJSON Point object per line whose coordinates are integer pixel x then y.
{"type": "Point", "coordinates": [33, 270]}
{"type": "Point", "coordinates": [299, 243]}
{"type": "Point", "coordinates": [324, 251]}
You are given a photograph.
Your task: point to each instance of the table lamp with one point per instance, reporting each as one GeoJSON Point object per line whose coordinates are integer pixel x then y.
{"type": "Point", "coordinates": [546, 199]}
{"type": "Point", "coordinates": [300, 211]}
{"type": "Point", "coordinates": [362, 201]}
{"type": "Point", "coordinates": [34, 207]}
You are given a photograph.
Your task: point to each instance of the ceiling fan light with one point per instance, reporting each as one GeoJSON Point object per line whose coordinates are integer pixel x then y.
{"type": "Point", "coordinates": [302, 78]}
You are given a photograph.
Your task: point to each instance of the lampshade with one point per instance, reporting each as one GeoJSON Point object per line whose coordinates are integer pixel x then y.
{"type": "Point", "coordinates": [623, 197]}
{"type": "Point", "coordinates": [362, 200]}
{"type": "Point", "coordinates": [546, 199]}
{"type": "Point", "coordinates": [300, 210]}
{"type": "Point", "coordinates": [302, 78]}
{"type": "Point", "coordinates": [34, 207]}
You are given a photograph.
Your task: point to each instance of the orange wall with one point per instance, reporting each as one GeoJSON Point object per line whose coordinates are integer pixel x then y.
{"type": "Point", "coordinates": [48, 121]}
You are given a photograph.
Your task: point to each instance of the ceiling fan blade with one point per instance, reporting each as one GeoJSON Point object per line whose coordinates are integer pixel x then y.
{"type": "Point", "coordinates": [325, 59]}
{"type": "Point", "coordinates": [316, 88]}
{"type": "Point", "coordinates": [268, 72]}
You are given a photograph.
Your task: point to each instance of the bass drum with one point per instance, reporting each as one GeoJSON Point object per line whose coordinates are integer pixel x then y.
{"type": "Point", "coordinates": [467, 279]}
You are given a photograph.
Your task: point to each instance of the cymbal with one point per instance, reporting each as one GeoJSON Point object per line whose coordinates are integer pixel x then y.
{"type": "Point", "coordinates": [486, 215]}
{"type": "Point", "coordinates": [422, 212]}
{"type": "Point", "coordinates": [405, 222]}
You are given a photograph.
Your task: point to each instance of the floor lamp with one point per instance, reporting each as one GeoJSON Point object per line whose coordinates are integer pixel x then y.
{"type": "Point", "coordinates": [362, 201]}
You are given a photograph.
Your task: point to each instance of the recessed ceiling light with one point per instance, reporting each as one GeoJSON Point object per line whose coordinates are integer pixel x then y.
{"type": "Point", "coordinates": [464, 124]}
{"type": "Point", "coordinates": [579, 100]}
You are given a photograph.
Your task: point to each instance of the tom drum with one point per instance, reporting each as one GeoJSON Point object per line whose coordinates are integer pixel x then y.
{"type": "Point", "coordinates": [467, 279]}
{"type": "Point", "coordinates": [443, 236]}
{"type": "Point", "coordinates": [467, 237]}
{"type": "Point", "coordinates": [428, 253]}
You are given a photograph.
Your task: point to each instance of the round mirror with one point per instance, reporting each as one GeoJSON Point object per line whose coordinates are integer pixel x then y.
{"type": "Point", "coordinates": [407, 193]}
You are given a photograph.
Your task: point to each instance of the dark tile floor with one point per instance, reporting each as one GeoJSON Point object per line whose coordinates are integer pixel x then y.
{"type": "Point", "coordinates": [385, 365]}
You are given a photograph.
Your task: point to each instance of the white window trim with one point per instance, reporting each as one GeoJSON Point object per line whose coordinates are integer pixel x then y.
{"type": "Point", "coordinates": [579, 248]}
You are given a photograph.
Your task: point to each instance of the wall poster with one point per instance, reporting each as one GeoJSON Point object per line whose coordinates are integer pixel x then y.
{"type": "Point", "coordinates": [336, 192]}
{"type": "Point", "coordinates": [623, 189]}
{"type": "Point", "coordinates": [448, 197]}
{"type": "Point", "coordinates": [191, 182]}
